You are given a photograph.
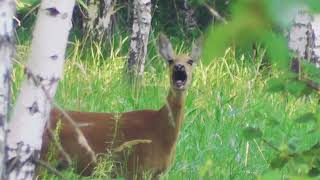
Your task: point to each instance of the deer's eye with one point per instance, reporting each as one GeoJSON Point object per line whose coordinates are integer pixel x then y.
{"type": "Point", "coordinates": [190, 61]}
{"type": "Point", "coordinates": [170, 61]}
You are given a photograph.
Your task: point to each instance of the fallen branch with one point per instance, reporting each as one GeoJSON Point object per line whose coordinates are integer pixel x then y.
{"type": "Point", "coordinates": [215, 13]}
{"type": "Point", "coordinates": [81, 138]}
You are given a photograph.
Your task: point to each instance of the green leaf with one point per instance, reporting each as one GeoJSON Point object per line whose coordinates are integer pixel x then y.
{"type": "Point", "coordinates": [271, 174]}
{"type": "Point", "coordinates": [306, 118]}
{"type": "Point", "coordinates": [279, 162]}
{"type": "Point", "coordinates": [277, 50]}
{"type": "Point", "coordinates": [314, 150]}
{"type": "Point", "coordinates": [251, 133]}
{"type": "Point", "coordinates": [249, 24]}
{"type": "Point", "coordinates": [310, 69]}
{"type": "Point", "coordinates": [272, 121]}
{"type": "Point", "coordinates": [218, 114]}
{"type": "Point", "coordinates": [314, 5]}
{"type": "Point", "coordinates": [314, 172]}
{"type": "Point", "coordinates": [83, 4]}
{"type": "Point", "coordinates": [292, 144]}
{"type": "Point", "coordinates": [275, 85]}
{"type": "Point", "coordinates": [296, 88]}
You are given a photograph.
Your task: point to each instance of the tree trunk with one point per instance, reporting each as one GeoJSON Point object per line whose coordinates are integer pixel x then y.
{"type": "Point", "coordinates": [92, 14]}
{"type": "Point", "coordinates": [43, 71]}
{"type": "Point", "coordinates": [139, 37]}
{"type": "Point", "coordinates": [7, 11]}
{"type": "Point", "coordinates": [315, 24]}
{"type": "Point", "coordinates": [98, 20]}
{"type": "Point", "coordinates": [104, 26]}
{"type": "Point", "coordinates": [304, 39]}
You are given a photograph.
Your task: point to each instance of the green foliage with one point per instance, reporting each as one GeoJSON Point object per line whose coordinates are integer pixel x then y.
{"type": "Point", "coordinates": [243, 120]}
{"type": "Point", "coordinates": [250, 133]}
{"type": "Point", "coordinates": [220, 101]}
{"type": "Point", "coordinates": [301, 163]}
{"type": "Point", "coordinates": [26, 5]}
{"type": "Point", "coordinates": [254, 22]}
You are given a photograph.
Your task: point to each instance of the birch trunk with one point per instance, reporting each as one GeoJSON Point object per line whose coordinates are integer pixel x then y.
{"type": "Point", "coordinates": [304, 39]}
{"type": "Point", "coordinates": [315, 24]}
{"type": "Point", "coordinates": [7, 11]}
{"type": "Point", "coordinates": [140, 35]}
{"type": "Point", "coordinates": [91, 16]}
{"type": "Point", "coordinates": [104, 25]}
{"type": "Point", "coordinates": [43, 71]}
{"type": "Point", "coordinates": [190, 21]}
{"type": "Point", "coordinates": [98, 20]}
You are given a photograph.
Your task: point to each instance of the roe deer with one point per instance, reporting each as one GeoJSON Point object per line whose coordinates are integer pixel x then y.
{"type": "Point", "coordinates": [157, 129]}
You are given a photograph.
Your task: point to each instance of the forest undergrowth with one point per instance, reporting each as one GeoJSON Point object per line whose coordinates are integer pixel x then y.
{"type": "Point", "coordinates": [228, 95]}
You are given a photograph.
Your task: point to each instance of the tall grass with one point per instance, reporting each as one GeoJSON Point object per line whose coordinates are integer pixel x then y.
{"type": "Point", "coordinates": [226, 95]}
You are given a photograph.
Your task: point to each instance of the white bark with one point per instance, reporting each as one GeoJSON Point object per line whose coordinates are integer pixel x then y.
{"type": "Point", "coordinates": [304, 37]}
{"type": "Point", "coordinates": [140, 35]}
{"type": "Point", "coordinates": [43, 71]}
{"type": "Point", "coordinates": [190, 21]}
{"type": "Point", "coordinates": [98, 21]}
{"type": "Point", "coordinates": [315, 24]}
{"type": "Point", "coordinates": [104, 22]}
{"type": "Point", "coordinates": [7, 11]}
{"type": "Point", "coordinates": [92, 15]}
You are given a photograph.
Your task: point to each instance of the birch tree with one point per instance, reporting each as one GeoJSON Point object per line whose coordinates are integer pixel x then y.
{"type": "Point", "coordinates": [304, 39]}
{"type": "Point", "coordinates": [98, 21]}
{"type": "Point", "coordinates": [43, 71]}
{"type": "Point", "coordinates": [140, 34]}
{"type": "Point", "coordinates": [104, 25]}
{"type": "Point", "coordinates": [91, 16]}
{"type": "Point", "coordinates": [7, 11]}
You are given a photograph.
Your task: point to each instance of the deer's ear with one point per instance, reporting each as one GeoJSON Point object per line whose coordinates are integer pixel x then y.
{"type": "Point", "coordinates": [197, 49]}
{"type": "Point", "coordinates": [165, 48]}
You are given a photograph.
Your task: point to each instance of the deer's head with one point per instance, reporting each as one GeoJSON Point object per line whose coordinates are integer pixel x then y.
{"type": "Point", "coordinates": [180, 66]}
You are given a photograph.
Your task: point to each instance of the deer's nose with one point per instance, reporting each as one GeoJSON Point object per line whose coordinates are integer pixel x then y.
{"type": "Point", "coordinates": [179, 67]}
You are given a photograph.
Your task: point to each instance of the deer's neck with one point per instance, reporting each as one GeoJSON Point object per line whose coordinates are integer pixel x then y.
{"type": "Point", "coordinates": [173, 113]}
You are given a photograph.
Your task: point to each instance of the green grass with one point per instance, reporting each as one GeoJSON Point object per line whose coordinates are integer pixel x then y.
{"type": "Point", "coordinates": [226, 95]}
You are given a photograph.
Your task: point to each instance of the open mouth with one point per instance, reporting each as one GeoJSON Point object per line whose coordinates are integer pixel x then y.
{"type": "Point", "coordinates": [179, 78]}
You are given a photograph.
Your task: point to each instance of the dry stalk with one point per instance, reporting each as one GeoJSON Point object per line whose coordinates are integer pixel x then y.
{"type": "Point", "coordinates": [131, 143]}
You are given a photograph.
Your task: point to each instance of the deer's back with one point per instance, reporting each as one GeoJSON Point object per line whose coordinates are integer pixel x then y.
{"type": "Point", "coordinates": [106, 131]}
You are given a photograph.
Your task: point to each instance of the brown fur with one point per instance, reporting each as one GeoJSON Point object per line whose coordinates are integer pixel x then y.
{"type": "Point", "coordinates": [106, 131]}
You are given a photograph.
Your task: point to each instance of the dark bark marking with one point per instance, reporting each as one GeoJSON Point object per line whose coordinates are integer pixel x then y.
{"type": "Point", "coordinates": [54, 57]}
{"type": "Point", "coordinates": [64, 15]}
{"type": "Point", "coordinates": [312, 40]}
{"type": "Point", "coordinates": [54, 80]}
{"type": "Point", "coordinates": [39, 78]}
{"type": "Point", "coordinates": [34, 108]}
{"type": "Point", "coordinates": [27, 149]}
{"type": "Point", "coordinates": [295, 65]}
{"type": "Point", "coordinates": [2, 119]}
{"type": "Point", "coordinates": [11, 163]}
{"type": "Point", "coordinates": [27, 73]}
{"type": "Point", "coordinates": [35, 155]}
{"type": "Point", "coordinates": [7, 40]}
{"type": "Point", "coordinates": [135, 38]}
{"type": "Point", "coordinates": [16, 163]}
{"type": "Point", "coordinates": [3, 14]}
{"type": "Point", "coordinates": [7, 76]}
{"type": "Point", "coordinates": [53, 11]}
